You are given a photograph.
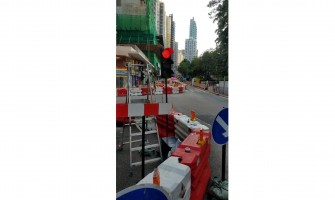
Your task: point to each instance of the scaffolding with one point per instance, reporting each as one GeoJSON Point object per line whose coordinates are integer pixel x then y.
{"type": "Point", "coordinates": [134, 28]}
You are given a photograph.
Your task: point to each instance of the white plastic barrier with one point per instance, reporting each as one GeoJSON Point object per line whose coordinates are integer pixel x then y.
{"type": "Point", "coordinates": [159, 90]}
{"type": "Point", "coordinates": [175, 179]}
{"type": "Point", "coordinates": [184, 126]}
{"type": "Point", "coordinates": [135, 92]}
{"type": "Point", "coordinates": [175, 90]}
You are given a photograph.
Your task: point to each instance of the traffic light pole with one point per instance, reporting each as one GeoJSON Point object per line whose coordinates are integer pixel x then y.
{"type": "Point", "coordinates": [167, 116]}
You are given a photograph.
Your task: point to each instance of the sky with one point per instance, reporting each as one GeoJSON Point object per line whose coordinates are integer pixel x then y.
{"type": "Point", "coordinates": [183, 11]}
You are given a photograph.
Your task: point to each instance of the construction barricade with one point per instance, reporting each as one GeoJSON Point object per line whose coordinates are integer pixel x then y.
{"type": "Point", "coordinates": [121, 92]}
{"type": "Point", "coordinates": [135, 92]}
{"type": "Point", "coordinates": [181, 89]}
{"type": "Point", "coordinates": [175, 179]}
{"type": "Point", "coordinates": [159, 90]}
{"type": "Point", "coordinates": [195, 154]}
{"type": "Point", "coordinates": [169, 90]}
{"type": "Point", "coordinates": [144, 90]}
{"type": "Point", "coordinates": [175, 90]}
{"type": "Point", "coordinates": [161, 122]}
{"type": "Point", "coordinates": [184, 126]}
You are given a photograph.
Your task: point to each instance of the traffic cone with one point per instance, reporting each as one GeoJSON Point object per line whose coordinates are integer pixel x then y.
{"type": "Point", "coordinates": [193, 116]}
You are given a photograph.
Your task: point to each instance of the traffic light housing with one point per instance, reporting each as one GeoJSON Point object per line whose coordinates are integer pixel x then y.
{"type": "Point", "coordinates": [166, 63]}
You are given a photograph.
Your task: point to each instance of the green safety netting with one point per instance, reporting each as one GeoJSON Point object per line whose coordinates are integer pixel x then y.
{"type": "Point", "coordinates": [135, 37]}
{"type": "Point", "coordinates": [138, 29]}
{"type": "Point", "coordinates": [153, 58]}
{"type": "Point", "coordinates": [135, 23]}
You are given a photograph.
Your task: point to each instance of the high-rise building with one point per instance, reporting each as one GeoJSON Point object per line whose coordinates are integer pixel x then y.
{"type": "Point", "coordinates": [190, 49]}
{"type": "Point", "coordinates": [156, 14]}
{"type": "Point", "coordinates": [180, 56]}
{"type": "Point", "coordinates": [162, 21]}
{"type": "Point", "coordinates": [175, 54]}
{"type": "Point", "coordinates": [172, 31]}
{"type": "Point", "coordinates": [193, 29]}
{"type": "Point", "coordinates": [191, 43]}
{"type": "Point", "coordinates": [168, 32]}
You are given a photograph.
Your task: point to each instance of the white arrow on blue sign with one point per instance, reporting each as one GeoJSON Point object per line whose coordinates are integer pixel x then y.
{"type": "Point", "coordinates": [143, 192]}
{"type": "Point", "coordinates": [220, 127]}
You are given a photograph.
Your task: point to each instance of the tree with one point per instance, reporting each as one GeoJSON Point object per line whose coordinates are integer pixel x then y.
{"type": "Point", "coordinates": [219, 14]}
{"type": "Point", "coordinates": [184, 68]}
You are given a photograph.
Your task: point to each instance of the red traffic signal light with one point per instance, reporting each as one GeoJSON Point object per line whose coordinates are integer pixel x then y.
{"type": "Point", "coordinates": [167, 53]}
{"type": "Point", "coordinates": [166, 63]}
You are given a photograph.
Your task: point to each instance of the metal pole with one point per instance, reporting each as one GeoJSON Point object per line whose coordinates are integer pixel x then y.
{"type": "Point", "coordinates": [224, 83]}
{"type": "Point", "coordinates": [224, 148]}
{"type": "Point", "coordinates": [148, 80]}
{"type": "Point", "coordinates": [143, 143]}
{"type": "Point", "coordinates": [166, 95]}
{"type": "Point", "coordinates": [167, 116]}
{"type": "Point", "coordinates": [128, 82]}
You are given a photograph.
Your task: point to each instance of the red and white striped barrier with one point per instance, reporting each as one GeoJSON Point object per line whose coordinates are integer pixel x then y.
{"type": "Point", "coordinates": [141, 91]}
{"type": "Point", "coordinates": [140, 109]}
{"type": "Point", "coordinates": [161, 122]}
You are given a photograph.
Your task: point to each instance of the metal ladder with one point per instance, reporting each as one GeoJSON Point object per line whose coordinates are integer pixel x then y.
{"type": "Point", "coordinates": [133, 139]}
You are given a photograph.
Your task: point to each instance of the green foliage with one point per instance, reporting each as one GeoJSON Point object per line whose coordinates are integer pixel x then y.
{"type": "Point", "coordinates": [184, 68]}
{"type": "Point", "coordinates": [208, 66]}
{"type": "Point", "coordinates": [219, 14]}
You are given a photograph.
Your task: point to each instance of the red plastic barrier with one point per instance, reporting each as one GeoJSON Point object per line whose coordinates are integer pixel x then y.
{"type": "Point", "coordinates": [169, 90]}
{"type": "Point", "coordinates": [122, 120]}
{"type": "Point", "coordinates": [191, 142]}
{"type": "Point", "coordinates": [199, 192]}
{"type": "Point", "coordinates": [162, 132]}
{"type": "Point", "coordinates": [161, 123]}
{"type": "Point", "coordinates": [197, 158]}
{"type": "Point", "coordinates": [206, 133]}
{"type": "Point", "coordinates": [193, 160]}
{"type": "Point", "coordinates": [144, 90]}
{"type": "Point", "coordinates": [121, 92]}
{"type": "Point", "coordinates": [180, 89]}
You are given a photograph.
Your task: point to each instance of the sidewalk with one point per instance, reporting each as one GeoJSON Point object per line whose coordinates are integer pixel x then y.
{"type": "Point", "coordinates": [203, 86]}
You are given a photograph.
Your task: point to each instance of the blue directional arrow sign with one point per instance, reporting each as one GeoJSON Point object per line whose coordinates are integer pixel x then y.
{"type": "Point", "coordinates": [220, 127]}
{"type": "Point", "coordinates": [143, 192]}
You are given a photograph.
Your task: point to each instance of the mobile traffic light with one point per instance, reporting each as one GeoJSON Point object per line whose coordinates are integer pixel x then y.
{"type": "Point", "coordinates": [166, 63]}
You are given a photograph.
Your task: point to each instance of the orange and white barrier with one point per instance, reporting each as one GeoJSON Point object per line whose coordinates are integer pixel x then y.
{"type": "Point", "coordinates": [194, 152]}
{"type": "Point", "coordinates": [140, 109]}
{"type": "Point", "coordinates": [184, 126]}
